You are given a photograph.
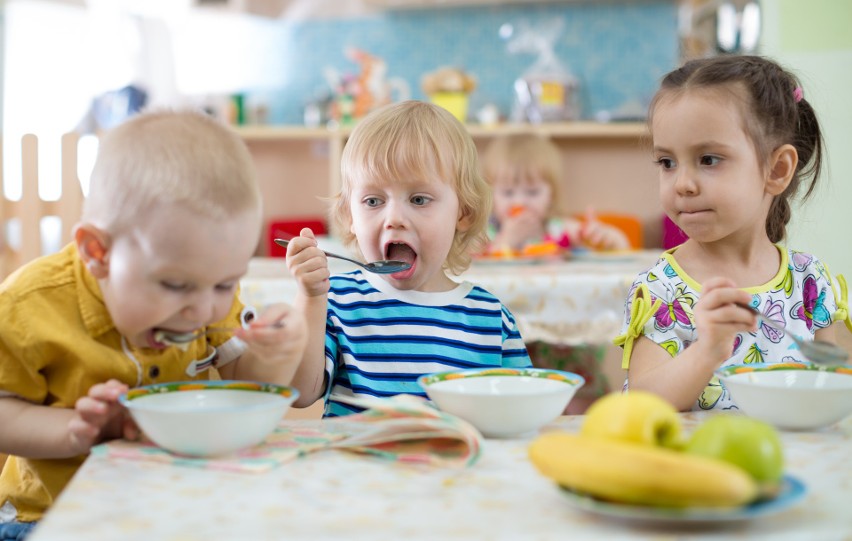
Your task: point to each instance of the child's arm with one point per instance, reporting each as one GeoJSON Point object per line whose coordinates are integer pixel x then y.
{"type": "Point", "coordinates": [309, 265]}
{"type": "Point", "coordinates": [681, 379]}
{"type": "Point", "coordinates": [35, 431]}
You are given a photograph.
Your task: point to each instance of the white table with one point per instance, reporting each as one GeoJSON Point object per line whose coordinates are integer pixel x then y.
{"type": "Point", "coordinates": [578, 301]}
{"type": "Point", "coordinates": [333, 494]}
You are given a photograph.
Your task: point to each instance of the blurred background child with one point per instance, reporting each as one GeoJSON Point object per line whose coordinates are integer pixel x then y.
{"type": "Point", "coordinates": [525, 173]}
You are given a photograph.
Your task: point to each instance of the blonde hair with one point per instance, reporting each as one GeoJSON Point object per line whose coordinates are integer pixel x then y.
{"type": "Point", "coordinates": [521, 159]}
{"type": "Point", "coordinates": [186, 158]}
{"type": "Point", "coordinates": [413, 138]}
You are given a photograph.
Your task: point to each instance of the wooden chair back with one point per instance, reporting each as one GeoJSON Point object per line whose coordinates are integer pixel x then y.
{"type": "Point", "coordinates": [30, 209]}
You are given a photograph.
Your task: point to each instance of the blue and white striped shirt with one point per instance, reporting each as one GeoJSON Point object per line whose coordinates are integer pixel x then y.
{"type": "Point", "coordinates": [379, 339]}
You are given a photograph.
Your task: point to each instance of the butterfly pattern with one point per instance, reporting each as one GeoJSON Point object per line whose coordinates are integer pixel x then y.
{"type": "Point", "coordinates": [811, 309]}
{"type": "Point", "coordinates": [676, 308]}
{"type": "Point", "coordinates": [774, 311]}
{"type": "Point", "coordinates": [800, 299]}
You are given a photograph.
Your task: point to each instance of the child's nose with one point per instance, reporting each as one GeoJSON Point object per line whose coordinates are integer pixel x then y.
{"type": "Point", "coordinates": [201, 307]}
{"type": "Point", "coordinates": [395, 215]}
{"type": "Point", "coordinates": [685, 182]}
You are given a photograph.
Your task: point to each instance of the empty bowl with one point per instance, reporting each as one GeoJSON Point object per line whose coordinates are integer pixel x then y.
{"type": "Point", "coordinates": [208, 418]}
{"type": "Point", "coordinates": [503, 402]}
{"type": "Point", "coordinates": [792, 396]}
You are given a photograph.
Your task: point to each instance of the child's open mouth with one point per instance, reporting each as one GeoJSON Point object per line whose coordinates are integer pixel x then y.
{"type": "Point", "coordinates": [400, 251]}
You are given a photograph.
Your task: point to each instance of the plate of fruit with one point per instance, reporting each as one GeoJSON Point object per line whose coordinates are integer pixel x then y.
{"type": "Point", "coordinates": [790, 492]}
{"type": "Point", "coordinates": [631, 460]}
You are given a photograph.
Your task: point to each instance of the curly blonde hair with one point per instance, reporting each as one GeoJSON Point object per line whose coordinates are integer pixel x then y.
{"type": "Point", "coordinates": [414, 138]}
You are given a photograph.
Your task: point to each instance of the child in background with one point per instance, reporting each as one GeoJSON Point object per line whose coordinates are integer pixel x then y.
{"type": "Point", "coordinates": [412, 191]}
{"type": "Point", "coordinates": [170, 223]}
{"type": "Point", "coordinates": [735, 140]}
{"type": "Point", "coordinates": [525, 172]}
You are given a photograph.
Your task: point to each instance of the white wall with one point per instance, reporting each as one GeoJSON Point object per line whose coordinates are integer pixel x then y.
{"type": "Point", "coordinates": [813, 39]}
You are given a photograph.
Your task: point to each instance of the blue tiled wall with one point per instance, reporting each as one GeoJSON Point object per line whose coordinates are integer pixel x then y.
{"type": "Point", "coordinates": [618, 51]}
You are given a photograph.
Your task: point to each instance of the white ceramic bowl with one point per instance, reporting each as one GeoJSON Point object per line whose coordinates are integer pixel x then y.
{"type": "Point", "coordinates": [503, 402]}
{"type": "Point", "coordinates": [208, 418]}
{"type": "Point", "coordinates": [791, 396]}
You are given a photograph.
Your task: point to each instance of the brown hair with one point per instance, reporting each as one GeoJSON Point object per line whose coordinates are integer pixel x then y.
{"type": "Point", "coordinates": [417, 138]}
{"type": "Point", "coordinates": [774, 112]}
{"type": "Point", "coordinates": [522, 158]}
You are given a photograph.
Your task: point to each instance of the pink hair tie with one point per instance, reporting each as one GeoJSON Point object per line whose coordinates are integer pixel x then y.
{"type": "Point", "coordinates": [798, 94]}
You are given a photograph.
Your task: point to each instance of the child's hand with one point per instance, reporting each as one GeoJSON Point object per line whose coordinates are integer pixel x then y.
{"type": "Point", "coordinates": [308, 264]}
{"type": "Point", "coordinates": [519, 229]}
{"type": "Point", "coordinates": [99, 417]}
{"type": "Point", "coordinates": [276, 344]}
{"type": "Point", "coordinates": [600, 236]}
{"type": "Point", "coordinates": [718, 319]}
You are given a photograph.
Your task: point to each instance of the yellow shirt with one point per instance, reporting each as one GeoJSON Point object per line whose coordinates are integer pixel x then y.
{"type": "Point", "coordinates": [57, 341]}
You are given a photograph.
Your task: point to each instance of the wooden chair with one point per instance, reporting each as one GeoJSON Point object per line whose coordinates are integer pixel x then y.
{"type": "Point", "coordinates": [31, 209]}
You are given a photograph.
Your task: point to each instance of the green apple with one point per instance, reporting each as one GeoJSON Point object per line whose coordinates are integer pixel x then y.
{"type": "Point", "coordinates": [635, 416]}
{"type": "Point", "coordinates": [745, 442]}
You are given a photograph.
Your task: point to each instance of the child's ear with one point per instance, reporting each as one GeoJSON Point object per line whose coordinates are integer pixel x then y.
{"type": "Point", "coordinates": [465, 220]}
{"type": "Point", "coordinates": [93, 245]}
{"type": "Point", "coordinates": [782, 166]}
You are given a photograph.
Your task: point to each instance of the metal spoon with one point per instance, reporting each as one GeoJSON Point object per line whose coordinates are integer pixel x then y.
{"type": "Point", "coordinates": [383, 266]}
{"type": "Point", "coordinates": [818, 351]}
{"type": "Point", "coordinates": [177, 338]}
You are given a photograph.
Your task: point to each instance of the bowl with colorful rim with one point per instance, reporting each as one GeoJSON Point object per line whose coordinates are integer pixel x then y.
{"type": "Point", "coordinates": [503, 402]}
{"type": "Point", "coordinates": [791, 396]}
{"type": "Point", "coordinates": [208, 418]}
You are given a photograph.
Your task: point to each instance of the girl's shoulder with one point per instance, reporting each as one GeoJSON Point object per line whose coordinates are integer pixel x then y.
{"type": "Point", "coordinates": [803, 262]}
{"type": "Point", "coordinates": [665, 268]}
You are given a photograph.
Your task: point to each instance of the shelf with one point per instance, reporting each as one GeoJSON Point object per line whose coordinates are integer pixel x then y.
{"type": "Point", "coordinates": [595, 130]}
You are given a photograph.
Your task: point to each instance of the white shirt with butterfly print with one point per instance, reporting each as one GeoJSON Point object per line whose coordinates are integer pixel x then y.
{"type": "Point", "coordinates": [799, 297]}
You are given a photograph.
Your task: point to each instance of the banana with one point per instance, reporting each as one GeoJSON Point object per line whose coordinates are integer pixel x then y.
{"type": "Point", "coordinates": [640, 474]}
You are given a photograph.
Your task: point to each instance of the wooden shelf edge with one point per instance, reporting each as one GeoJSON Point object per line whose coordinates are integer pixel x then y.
{"type": "Point", "coordinates": [578, 129]}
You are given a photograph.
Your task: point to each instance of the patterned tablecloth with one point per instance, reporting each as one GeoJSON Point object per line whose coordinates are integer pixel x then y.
{"type": "Point", "coordinates": [335, 494]}
{"type": "Point", "coordinates": [568, 302]}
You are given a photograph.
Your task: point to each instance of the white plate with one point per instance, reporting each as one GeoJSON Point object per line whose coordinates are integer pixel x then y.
{"type": "Point", "coordinates": [792, 491]}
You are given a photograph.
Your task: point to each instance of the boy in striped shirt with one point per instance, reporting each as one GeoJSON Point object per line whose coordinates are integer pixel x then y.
{"type": "Point", "coordinates": [412, 191]}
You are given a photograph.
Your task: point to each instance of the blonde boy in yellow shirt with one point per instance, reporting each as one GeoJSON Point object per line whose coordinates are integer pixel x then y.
{"type": "Point", "coordinates": [171, 221]}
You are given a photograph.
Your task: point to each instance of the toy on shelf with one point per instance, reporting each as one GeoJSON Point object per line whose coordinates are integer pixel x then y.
{"type": "Point", "coordinates": [371, 88]}
{"type": "Point", "coordinates": [547, 91]}
{"type": "Point", "coordinates": [449, 88]}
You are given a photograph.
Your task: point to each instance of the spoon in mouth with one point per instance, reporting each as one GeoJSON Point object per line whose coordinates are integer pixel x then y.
{"type": "Point", "coordinates": [817, 351]}
{"type": "Point", "coordinates": [178, 338]}
{"type": "Point", "coordinates": [382, 266]}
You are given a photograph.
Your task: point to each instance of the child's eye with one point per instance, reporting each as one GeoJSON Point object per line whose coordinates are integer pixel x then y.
{"type": "Point", "coordinates": [665, 163]}
{"type": "Point", "coordinates": [419, 200]}
{"type": "Point", "coordinates": [226, 287]}
{"type": "Point", "coordinates": [710, 160]}
{"type": "Point", "coordinates": [174, 286]}
{"type": "Point", "coordinates": [372, 201]}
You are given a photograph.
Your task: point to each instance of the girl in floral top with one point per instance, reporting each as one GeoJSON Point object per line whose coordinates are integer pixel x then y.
{"type": "Point", "coordinates": [735, 140]}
